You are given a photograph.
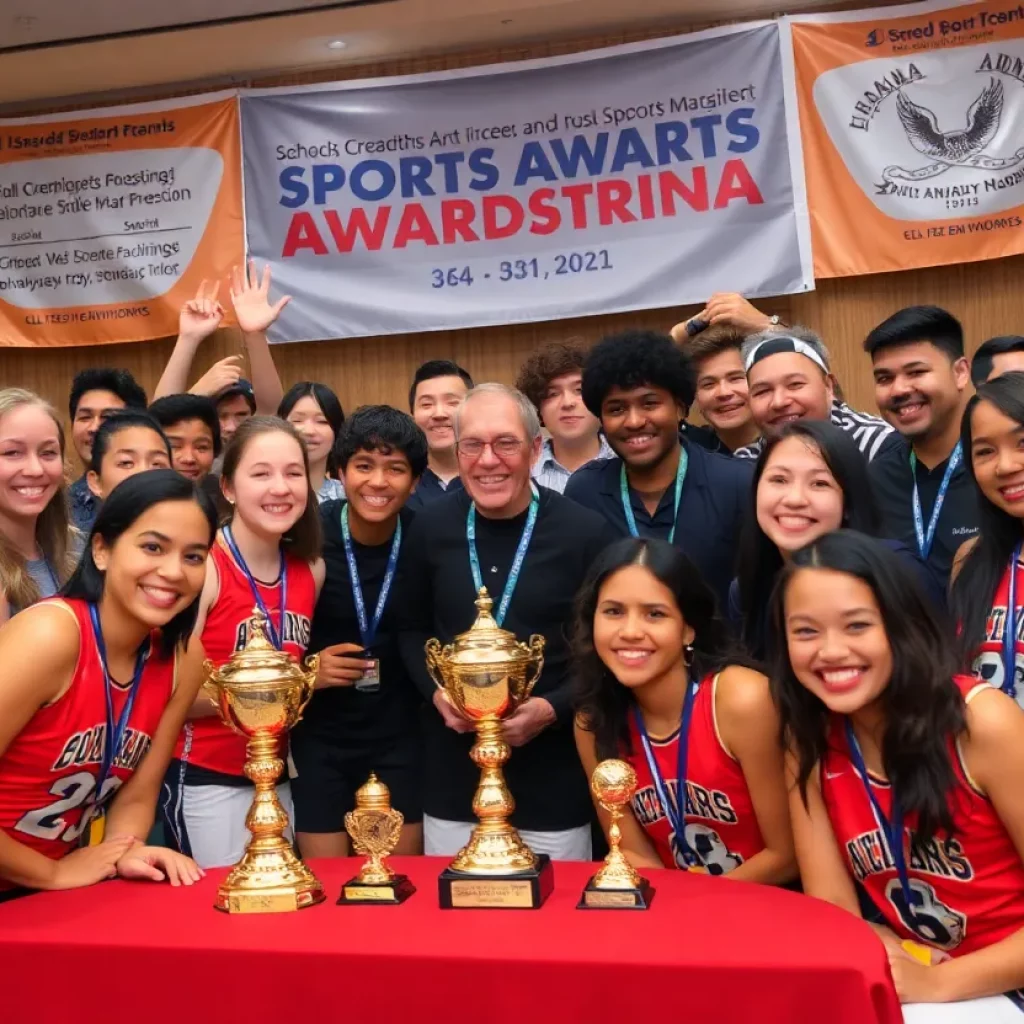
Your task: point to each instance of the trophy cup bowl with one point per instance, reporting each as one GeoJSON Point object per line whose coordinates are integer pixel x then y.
{"type": "Point", "coordinates": [260, 693]}
{"type": "Point", "coordinates": [617, 885]}
{"type": "Point", "coordinates": [486, 674]}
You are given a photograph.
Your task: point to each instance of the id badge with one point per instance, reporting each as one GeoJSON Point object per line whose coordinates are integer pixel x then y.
{"type": "Point", "coordinates": [370, 681]}
{"type": "Point", "coordinates": [94, 832]}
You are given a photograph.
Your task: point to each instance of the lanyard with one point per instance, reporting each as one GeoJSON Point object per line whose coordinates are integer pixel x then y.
{"type": "Point", "coordinates": [627, 506]}
{"type": "Point", "coordinates": [925, 540]}
{"type": "Point", "coordinates": [1010, 631]}
{"type": "Point", "coordinates": [517, 562]}
{"type": "Point", "coordinates": [115, 731]}
{"type": "Point", "coordinates": [368, 630]}
{"type": "Point", "coordinates": [675, 812]}
{"type": "Point", "coordinates": [275, 633]}
{"type": "Point", "coordinates": [892, 830]}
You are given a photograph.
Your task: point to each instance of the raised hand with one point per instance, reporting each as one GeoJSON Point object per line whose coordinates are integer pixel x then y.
{"type": "Point", "coordinates": [225, 373]}
{"type": "Point", "coordinates": [202, 315]}
{"type": "Point", "coordinates": [250, 296]}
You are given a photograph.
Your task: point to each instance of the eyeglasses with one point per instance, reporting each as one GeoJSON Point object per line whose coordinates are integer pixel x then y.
{"type": "Point", "coordinates": [504, 447]}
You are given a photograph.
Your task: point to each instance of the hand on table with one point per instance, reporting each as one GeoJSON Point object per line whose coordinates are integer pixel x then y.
{"type": "Point", "coordinates": [89, 865]}
{"type": "Point", "coordinates": [201, 316]}
{"type": "Point", "coordinates": [532, 717]}
{"type": "Point", "coordinates": [341, 665]}
{"type": "Point", "coordinates": [453, 718]}
{"type": "Point", "coordinates": [249, 295]}
{"type": "Point", "coordinates": [224, 374]}
{"type": "Point", "coordinates": [156, 863]}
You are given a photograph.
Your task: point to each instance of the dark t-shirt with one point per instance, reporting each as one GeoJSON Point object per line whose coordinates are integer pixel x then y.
{"type": "Point", "coordinates": [893, 484]}
{"type": "Point", "coordinates": [545, 775]}
{"type": "Point", "coordinates": [343, 715]}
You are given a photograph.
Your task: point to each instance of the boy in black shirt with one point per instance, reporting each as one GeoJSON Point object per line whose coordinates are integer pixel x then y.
{"type": "Point", "coordinates": [364, 715]}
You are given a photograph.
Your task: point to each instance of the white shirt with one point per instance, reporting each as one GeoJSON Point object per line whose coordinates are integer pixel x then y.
{"type": "Point", "coordinates": [549, 472]}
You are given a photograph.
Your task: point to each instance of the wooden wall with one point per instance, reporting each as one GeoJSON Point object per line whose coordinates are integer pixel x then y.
{"type": "Point", "coordinates": [985, 296]}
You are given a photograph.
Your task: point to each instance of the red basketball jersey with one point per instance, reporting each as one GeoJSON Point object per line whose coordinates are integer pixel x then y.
{"type": "Point", "coordinates": [48, 774]}
{"type": "Point", "coordinates": [721, 827]}
{"type": "Point", "coordinates": [988, 662]}
{"type": "Point", "coordinates": [967, 891]}
{"type": "Point", "coordinates": [207, 742]}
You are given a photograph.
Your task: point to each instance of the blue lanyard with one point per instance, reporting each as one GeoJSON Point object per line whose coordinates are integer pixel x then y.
{"type": "Point", "coordinates": [517, 562]}
{"type": "Point", "coordinates": [115, 731]}
{"type": "Point", "coordinates": [925, 540]}
{"type": "Point", "coordinates": [675, 812]}
{"type": "Point", "coordinates": [368, 630]}
{"type": "Point", "coordinates": [1010, 631]}
{"type": "Point", "coordinates": [892, 830]}
{"type": "Point", "coordinates": [275, 633]}
{"type": "Point", "coordinates": [627, 505]}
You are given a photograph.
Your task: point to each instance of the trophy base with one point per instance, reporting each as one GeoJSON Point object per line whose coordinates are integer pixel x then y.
{"type": "Point", "coordinates": [269, 881]}
{"type": "Point", "coordinates": [398, 890]}
{"type": "Point", "coordinates": [523, 890]}
{"type": "Point", "coordinates": [639, 898]}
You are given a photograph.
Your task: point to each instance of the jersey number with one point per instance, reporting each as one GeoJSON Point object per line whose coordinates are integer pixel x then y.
{"type": "Point", "coordinates": [74, 790]}
{"type": "Point", "coordinates": [928, 917]}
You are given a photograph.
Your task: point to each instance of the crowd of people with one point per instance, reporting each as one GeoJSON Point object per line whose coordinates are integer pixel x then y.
{"type": "Point", "coordinates": [798, 621]}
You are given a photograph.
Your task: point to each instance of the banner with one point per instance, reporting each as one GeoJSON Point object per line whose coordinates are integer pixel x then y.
{"type": "Point", "coordinates": [628, 178]}
{"type": "Point", "coordinates": [912, 122]}
{"type": "Point", "coordinates": [110, 218]}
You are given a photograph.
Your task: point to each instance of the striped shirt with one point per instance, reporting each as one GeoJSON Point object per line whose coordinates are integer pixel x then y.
{"type": "Point", "coordinates": [869, 432]}
{"type": "Point", "coordinates": [549, 472]}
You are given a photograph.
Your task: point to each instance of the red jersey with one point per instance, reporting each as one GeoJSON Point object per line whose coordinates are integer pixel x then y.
{"type": "Point", "coordinates": [988, 662]}
{"type": "Point", "coordinates": [207, 742]}
{"type": "Point", "coordinates": [968, 890]}
{"type": "Point", "coordinates": [721, 827]}
{"type": "Point", "coordinates": [48, 774]}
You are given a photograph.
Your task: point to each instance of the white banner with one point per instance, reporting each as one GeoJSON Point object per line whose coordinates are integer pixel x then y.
{"type": "Point", "coordinates": [629, 178]}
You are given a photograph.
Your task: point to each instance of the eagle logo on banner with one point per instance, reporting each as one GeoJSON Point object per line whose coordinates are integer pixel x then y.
{"type": "Point", "coordinates": [962, 147]}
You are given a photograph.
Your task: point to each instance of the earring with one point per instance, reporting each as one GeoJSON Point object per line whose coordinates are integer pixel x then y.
{"type": "Point", "coordinates": [688, 655]}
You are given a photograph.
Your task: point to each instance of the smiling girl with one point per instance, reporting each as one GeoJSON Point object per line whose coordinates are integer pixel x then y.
{"type": "Point", "coordinates": [810, 479]}
{"type": "Point", "coordinates": [267, 556]}
{"type": "Point", "coordinates": [94, 688]}
{"type": "Point", "coordinates": [314, 411]}
{"type": "Point", "coordinates": [904, 777]}
{"type": "Point", "coordinates": [987, 592]}
{"type": "Point", "coordinates": [34, 537]}
{"type": "Point", "coordinates": [657, 686]}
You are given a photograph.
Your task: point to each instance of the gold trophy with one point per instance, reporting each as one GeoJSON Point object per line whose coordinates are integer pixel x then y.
{"type": "Point", "coordinates": [260, 693]}
{"type": "Point", "coordinates": [486, 674]}
{"type": "Point", "coordinates": [374, 828]}
{"type": "Point", "coordinates": [617, 885]}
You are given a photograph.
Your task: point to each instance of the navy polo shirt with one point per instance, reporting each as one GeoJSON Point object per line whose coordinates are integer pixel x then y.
{"type": "Point", "coordinates": [714, 503]}
{"type": "Point", "coordinates": [429, 488]}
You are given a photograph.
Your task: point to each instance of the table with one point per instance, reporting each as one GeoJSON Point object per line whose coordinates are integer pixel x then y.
{"type": "Point", "coordinates": [707, 950]}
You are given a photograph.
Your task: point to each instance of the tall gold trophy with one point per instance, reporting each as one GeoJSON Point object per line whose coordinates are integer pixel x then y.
{"type": "Point", "coordinates": [617, 885]}
{"type": "Point", "coordinates": [487, 674]}
{"type": "Point", "coordinates": [261, 693]}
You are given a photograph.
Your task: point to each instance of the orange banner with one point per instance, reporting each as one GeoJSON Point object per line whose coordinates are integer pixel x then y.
{"type": "Point", "coordinates": [912, 123]}
{"type": "Point", "coordinates": [110, 218]}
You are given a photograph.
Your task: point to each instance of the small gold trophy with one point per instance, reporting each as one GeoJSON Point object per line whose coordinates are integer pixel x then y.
{"type": "Point", "coordinates": [375, 828]}
{"type": "Point", "coordinates": [487, 674]}
{"type": "Point", "coordinates": [617, 885]}
{"type": "Point", "coordinates": [260, 693]}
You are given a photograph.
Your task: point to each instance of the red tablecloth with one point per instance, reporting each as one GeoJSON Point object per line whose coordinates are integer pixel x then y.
{"type": "Point", "coordinates": [707, 950]}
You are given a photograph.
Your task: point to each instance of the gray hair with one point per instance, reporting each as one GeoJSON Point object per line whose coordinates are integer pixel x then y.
{"type": "Point", "coordinates": [527, 411]}
{"type": "Point", "coordinates": [802, 334]}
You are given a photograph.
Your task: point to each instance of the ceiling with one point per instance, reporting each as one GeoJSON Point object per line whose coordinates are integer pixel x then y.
{"type": "Point", "coordinates": [70, 52]}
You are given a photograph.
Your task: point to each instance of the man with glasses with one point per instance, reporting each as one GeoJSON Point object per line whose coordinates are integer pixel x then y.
{"type": "Point", "coordinates": [531, 548]}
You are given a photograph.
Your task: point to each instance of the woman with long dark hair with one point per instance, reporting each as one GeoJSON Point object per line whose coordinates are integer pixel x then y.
{"type": "Point", "coordinates": [314, 411]}
{"type": "Point", "coordinates": [810, 479]}
{"type": "Point", "coordinates": [657, 686]}
{"type": "Point", "coordinates": [129, 441]}
{"type": "Point", "coordinates": [987, 569]}
{"type": "Point", "coordinates": [94, 688]}
{"type": "Point", "coordinates": [904, 777]}
{"type": "Point", "coordinates": [266, 556]}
